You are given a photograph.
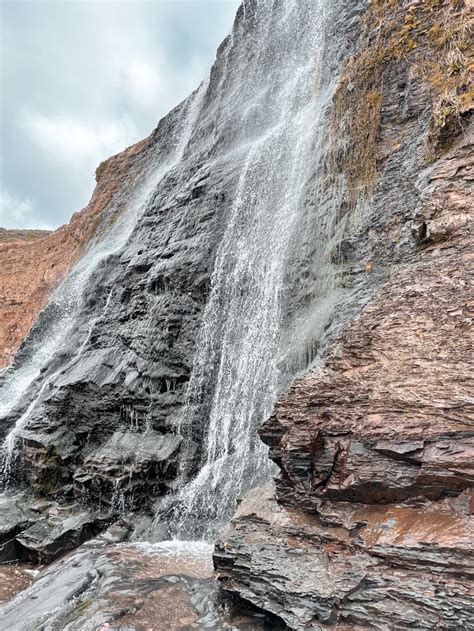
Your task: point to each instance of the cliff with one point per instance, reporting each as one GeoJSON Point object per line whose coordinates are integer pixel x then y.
{"type": "Point", "coordinates": [373, 526]}
{"type": "Point", "coordinates": [370, 524]}
{"type": "Point", "coordinates": [288, 251]}
{"type": "Point", "coordinates": [34, 262]}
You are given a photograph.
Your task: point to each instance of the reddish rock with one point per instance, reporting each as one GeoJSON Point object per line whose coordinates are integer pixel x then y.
{"type": "Point", "coordinates": [34, 262]}
{"type": "Point", "coordinates": [370, 524]}
{"type": "Point", "coordinates": [15, 578]}
{"type": "Point", "coordinates": [351, 566]}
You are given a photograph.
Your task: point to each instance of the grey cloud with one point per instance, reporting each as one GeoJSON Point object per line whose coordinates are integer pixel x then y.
{"type": "Point", "coordinates": [82, 80]}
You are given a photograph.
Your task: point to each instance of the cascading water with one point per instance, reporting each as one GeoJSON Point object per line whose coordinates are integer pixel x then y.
{"type": "Point", "coordinates": [252, 134]}
{"type": "Point", "coordinates": [67, 300]}
{"type": "Point", "coordinates": [236, 185]}
{"type": "Point", "coordinates": [237, 371]}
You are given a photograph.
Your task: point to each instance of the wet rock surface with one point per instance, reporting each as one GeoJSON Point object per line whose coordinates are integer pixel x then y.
{"type": "Point", "coordinates": [61, 530]}
{"type": "Point", "coordinates": [15, 578]}
{"type": "Point", "coordinates": [373, 527]}
{"type": "Point", "coordinates": [41, 530]}
{"type": "Point", "coordinates": [123, 587]}
{"type": "Point", "coordinates": [14, 518]}
{"type": "Point", "coordinates": [98, 421]}
{"type": "Point", "coordinates": [370, 522]}
{"type": "Point", "coordinates": [351, 565]}
{"type": "Point", "coordinates": [128, 466]}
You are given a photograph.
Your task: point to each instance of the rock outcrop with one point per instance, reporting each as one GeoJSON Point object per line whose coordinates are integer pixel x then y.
{"type": "Point", "coordinates": [370, 523]}
{"type": "Point", "coordinates": [34, 262]}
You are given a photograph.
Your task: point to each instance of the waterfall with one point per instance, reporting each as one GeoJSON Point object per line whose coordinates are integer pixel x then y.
{"type": "Point", "coordinates": [237, 370]}
{"type": "Point", "coordinates": [252, 134]}
{"type": "Point", "coordinates": [60, 317]}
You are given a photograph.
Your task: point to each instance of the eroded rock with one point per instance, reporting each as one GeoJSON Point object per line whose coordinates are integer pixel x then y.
{"type": "Point", "coordinates": [350, 565]}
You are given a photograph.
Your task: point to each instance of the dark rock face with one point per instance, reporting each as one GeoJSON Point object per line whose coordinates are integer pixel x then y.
{"type": "Point", "coordinates": [350, 566]}
{"type": "Point", "coordinates": [42, 530]}
{"type": "Point", "coordinates": [128, 466]}
{"type": "Point", "coordinates": [61, 531]}
{"type": "Point", "coordinates": [14, 519]}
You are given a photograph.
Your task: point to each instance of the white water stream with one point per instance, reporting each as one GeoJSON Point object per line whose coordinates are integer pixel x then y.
{"type": "Point", "coordinates": [236, 373]}
{"type": "Point", "coordinates": [265, 117]}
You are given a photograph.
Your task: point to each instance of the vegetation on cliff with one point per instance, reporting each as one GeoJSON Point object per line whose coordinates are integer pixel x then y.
{"type": "Point", "coordinates": [432, 38]}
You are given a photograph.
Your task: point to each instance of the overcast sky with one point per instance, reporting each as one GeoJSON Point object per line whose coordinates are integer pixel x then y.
{"type": "Point", "coordinates": [82, 80]}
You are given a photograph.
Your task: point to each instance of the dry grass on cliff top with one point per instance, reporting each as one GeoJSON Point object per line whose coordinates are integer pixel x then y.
{"type": "Point", "coordinates": [434, 38]}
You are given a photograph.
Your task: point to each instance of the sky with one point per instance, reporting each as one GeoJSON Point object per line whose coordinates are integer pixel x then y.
{"type": "Point", "coordinates": [80, 81]}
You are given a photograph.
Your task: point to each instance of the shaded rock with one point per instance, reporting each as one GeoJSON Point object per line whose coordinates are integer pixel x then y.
{"type": "Point", "coordinates": [128, 466]}
{"type": "Point", "coordinates": [350, 566]}
{"type": "Point", "coordinates": [117, 533]}
{"type": "Point", "coordinates": [58, 532]}
{"type": "Point", "coordinates": [15, 516]}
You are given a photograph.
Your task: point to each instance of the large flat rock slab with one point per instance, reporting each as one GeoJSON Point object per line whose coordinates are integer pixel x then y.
{"type": "Point", "coordinates": [128, 587]}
